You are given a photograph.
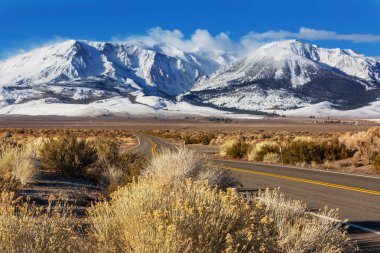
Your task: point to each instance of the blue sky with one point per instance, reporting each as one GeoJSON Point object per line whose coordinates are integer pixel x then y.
{"type": "Point", "coordinates": [26, 24]}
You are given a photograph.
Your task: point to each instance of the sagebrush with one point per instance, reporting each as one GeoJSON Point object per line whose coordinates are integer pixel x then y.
{"type": "Point", "coordinates": [67, 154]}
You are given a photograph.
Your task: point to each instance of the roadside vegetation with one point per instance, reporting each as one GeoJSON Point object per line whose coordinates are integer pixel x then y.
{"type": "Point", "coordinates": [350, 151]}
{"type": "Point", "coordinates": [177, 202]}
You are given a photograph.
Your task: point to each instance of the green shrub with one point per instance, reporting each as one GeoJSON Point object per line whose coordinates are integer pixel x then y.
{"type": "Point", "coordinates": [263, 148]}
{"type": "Point", "coordinates": [308, 151]}
{"type": "Point", "coordinates": [376, 163]}
{"type": "Point", "coordinates": [67, 154]}
{"type": "Point", "coordinates": [114, 169]}
{"type": "Point", "coordinates": [133, 164]}
{"type": "Point", "coordinates": [238, 149]}
{"type": "Point", "coordinates": [191, 140]}
{"type": "Point", "coordinates": [206, 139]}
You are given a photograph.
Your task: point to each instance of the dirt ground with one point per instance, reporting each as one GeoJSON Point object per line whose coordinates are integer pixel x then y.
{"type": "Point", "coordinates": [196, 123]}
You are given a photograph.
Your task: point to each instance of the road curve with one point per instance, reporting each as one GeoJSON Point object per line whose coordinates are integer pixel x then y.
{"type": "Point", "coordinates": [356, 197]}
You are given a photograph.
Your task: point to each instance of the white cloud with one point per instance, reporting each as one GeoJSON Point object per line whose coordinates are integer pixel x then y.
{"type": "Point", "coordinates": [29, 45]}
{"type": "Point", "coordinates": [313, 34]}
{"type": "Point", "coordinates": [222, 49]}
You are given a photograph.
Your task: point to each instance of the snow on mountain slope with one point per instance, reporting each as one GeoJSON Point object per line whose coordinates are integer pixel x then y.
{"type": "Point", "coordinates": [291, 74]}
{"type": "Point", "coordinates": [345, 60]}
{"type": "Point", "coordinates": [84, 78]}
{"type": "Point", "coordinates": [127, 65]}
{"type": "Point", "coordinates": [371, 111]}
{"type": "Point", "coordinates": [119, 106]}
{"type": "Point", "coordinates": [295, 61]}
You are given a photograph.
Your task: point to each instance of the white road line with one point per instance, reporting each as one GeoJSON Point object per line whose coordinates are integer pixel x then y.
{"type": "Point", "coordinates": [136, 146]}
{"type": "Point", "coordinates": [369, 230]}
{"type": "Point", "coordinates": [298, 168]}
{"type": "Point", "coordinates": [347, 223]}
{"type": "Point", "coordinates": [311, 213]}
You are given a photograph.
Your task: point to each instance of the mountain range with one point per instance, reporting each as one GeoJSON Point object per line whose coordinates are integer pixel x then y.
{"type": "Point", "coordinates": [285, 77]}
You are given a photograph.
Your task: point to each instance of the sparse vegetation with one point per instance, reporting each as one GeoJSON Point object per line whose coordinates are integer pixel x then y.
{"type": "Point", "coordinates": [178, 202]}
{"type": "Point", "coordinates": [181, 214]}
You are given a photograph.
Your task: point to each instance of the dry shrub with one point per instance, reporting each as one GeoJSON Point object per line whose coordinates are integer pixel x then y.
{"type": "Point", "coordinates": [175, 166]}
{"type": "Point", "coordinates": [168, 211]}
{"type": "Point", "coordinates": [366, 144]}
{"type": "Point", "coordinates": [67, 154]}
{"type": "Point", "coordinates": [300, 231]}
{"type": "Point", "coordinates": [18, 164]}
{"type": "Point", "coordinates": [261, 149]}
{"type": "Point", "coordinates": [25, 228]}
{"type": "Point", "coordinates": [376, 163]}
{"type": "Point", "coordinates": [306, 150]}
{"type": "Point", "coordinates": [114, 169]}
{"type": "Point", "coordinates": [271, 158]}
{"type": "Point", "coordinates": [234, 149]}
{"type": "Point", "coordinates": [154, 216]}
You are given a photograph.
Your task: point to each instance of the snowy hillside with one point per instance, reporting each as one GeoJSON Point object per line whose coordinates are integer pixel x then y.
{"type": "Point", "coordinates": [92, 78]}
{"type": "Point", "coordinates": [290, 74]}
{"type": "Point", "coordinates": [127, 66]}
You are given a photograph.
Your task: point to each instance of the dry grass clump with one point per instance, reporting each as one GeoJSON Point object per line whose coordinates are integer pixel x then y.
{"type": "Point", "coordinates": [376, 163]}
{"type": "Point", "coordinates": [25, 228]}
{"type": "Point", "coordinates": [271, 158]}
{"type": "Point", "coordinates": [300, 231]}
{"type": "Point", "coordinates": [18, 165]}
{"type": "Point", "coordinates": [154, 216]}
{"type": "Point", "coordinates": [365, 144]}
{"type": "Point", "coordinates": [176, 166]}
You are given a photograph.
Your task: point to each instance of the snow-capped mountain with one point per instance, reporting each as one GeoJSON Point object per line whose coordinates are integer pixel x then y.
{"type": "Point", "coordinates": [126, 66]}
{"type": "Point", "coordinates": [291, 74]}
{"type": "Point", "coordinates": [85, 77]}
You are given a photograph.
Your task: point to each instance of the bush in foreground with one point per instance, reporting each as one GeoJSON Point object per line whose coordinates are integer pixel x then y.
{"type": "Point", "coordinates": [25, 228]}
{"type": "Point", "coordinates": [152, 216]}
{"type": "Point", "coordinates": [176, 166]}
{"type": "Point", "coordinates": [301, 231]}
{"type": "Point", "coordinates": [18, 165]}
{"type": "Point", "coordinates": [171, 211]}
{"type": "Point", "coordinates": [67, 154]}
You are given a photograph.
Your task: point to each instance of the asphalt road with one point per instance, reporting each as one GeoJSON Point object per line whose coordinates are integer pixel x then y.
{"type": "Point", "coordinates": [357, 197]}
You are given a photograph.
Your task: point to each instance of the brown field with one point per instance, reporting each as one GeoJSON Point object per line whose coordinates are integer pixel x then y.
{"type": "Point", "coordinates": [195, 123]}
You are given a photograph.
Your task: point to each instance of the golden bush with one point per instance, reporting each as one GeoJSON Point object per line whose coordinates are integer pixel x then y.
{"type": "Point", "coordinates": [150, 216]}
{"type": "Point", "coordinates": [25, 228]}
